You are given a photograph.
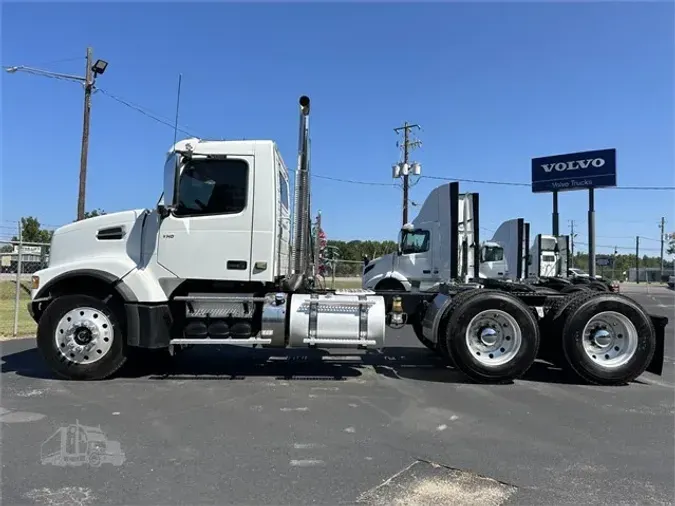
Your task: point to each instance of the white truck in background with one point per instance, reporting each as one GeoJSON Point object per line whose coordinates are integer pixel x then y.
{"type": "Point", "coordinates": [424, 256]}
{"type": "Point", "coordinates": [424, 260]}
{"type": "Point", "coordinates": [439, 238]}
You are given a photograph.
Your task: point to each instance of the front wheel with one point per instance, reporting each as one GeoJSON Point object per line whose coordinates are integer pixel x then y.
{"type": "Point", "coordinates": [81, 338]}
{"type": "Point", "coordinates": [492, 336]}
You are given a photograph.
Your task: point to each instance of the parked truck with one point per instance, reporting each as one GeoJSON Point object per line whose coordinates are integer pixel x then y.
{"type": "Point", "coordinates": [425, 245]}
{"type": "Point", "coordinates": [215, 263]}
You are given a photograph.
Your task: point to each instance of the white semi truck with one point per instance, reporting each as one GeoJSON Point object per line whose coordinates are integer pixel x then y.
{"type": "Point", "coordinates": [443, 235]}
{"type": "Point", "coordinates": [216, 263]}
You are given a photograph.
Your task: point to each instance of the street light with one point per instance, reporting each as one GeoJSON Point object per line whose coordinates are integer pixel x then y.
{"type": "Point", "coordinates": [99, 67]}
{"type": "Point", "coordinates": [91, 72]}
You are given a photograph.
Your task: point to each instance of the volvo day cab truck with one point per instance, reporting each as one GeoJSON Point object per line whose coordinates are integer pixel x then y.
{"type": "Point", "coordinates": [216, 263]}
{"type": "Point", "coordinates": [447, 225]}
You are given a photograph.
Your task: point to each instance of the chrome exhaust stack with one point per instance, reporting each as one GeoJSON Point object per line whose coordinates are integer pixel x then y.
{"type": "Point", "coordinates": [301, 211]}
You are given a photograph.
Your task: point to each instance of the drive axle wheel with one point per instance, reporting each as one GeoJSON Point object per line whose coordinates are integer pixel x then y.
{"type": "Point", "coordinates": [81, 338]}
{"type": "Point", "coordinates": [607, 339]}
{"type": "Point", "coordinates": [492, 336]}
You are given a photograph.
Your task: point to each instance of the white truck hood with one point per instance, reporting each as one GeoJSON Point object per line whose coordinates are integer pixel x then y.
{"type": "Point", "coordinates": [109, 235]}
{"type": "Point", "coordinates": [376, 270]}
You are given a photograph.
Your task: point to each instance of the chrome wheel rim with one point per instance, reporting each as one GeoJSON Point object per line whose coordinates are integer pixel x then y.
{"type": "Point", "coordinates": [493, 337]}
{"type": "Point", "coordinates": [84, 335]}
{"type": "Point", "coordinates": [610, 339]}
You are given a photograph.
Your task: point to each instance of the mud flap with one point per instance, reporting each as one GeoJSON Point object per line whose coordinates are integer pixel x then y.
{"type": "Point", "coordinates": [656, 365]}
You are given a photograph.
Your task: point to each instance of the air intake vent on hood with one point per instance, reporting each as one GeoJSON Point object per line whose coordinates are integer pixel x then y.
{"type": "Point", "coordinates": [110, 234]}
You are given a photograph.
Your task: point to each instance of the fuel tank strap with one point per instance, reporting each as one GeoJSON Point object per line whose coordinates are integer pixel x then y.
{"type": "Point", "coordinates": [363, 317]}
{"type": "Point", "coordinates": [313, 315]}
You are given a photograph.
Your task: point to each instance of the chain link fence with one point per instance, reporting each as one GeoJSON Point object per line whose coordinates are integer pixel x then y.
{"type": "Point", "coordinates": [342, 273]}
{"type": "Point", "coordinates": [18, 261]}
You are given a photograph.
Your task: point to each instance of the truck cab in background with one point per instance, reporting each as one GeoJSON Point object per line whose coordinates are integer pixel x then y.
{"type": "Point", "coordinates": [549, 256]}
{"type": "Point", "coordinates": [440, 244]}
{"type": "Point", "coordinates": [492, 261]}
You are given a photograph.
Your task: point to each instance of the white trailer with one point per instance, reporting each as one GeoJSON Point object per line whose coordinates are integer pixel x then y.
{"type": "Point", "coordinates": [212, 265]}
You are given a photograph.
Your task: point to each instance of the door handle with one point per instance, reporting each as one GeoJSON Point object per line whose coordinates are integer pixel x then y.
{"type": "Point", "coordinates": [427, 271]}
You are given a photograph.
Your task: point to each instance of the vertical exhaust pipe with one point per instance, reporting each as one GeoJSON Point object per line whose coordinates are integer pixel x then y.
{"type": "Point", "coordinates": [301, 214]}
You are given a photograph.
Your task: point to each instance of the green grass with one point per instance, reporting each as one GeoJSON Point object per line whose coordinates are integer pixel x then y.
{"type": "Point", "coordinates": [344, 283]}
{"type": "Point", "coordinates": [7, 303]}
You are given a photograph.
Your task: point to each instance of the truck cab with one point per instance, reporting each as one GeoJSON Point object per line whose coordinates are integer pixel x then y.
{"type": "Point", "coordinates": [548, 256]}
{"type": "Point", "coordinates": [438, 245]}
{"type": "Point", "coordinates": [492, 261]}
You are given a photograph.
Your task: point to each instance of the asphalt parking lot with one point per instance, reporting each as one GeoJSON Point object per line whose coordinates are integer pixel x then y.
{"type": "Point", "coordinates": [392, 428]}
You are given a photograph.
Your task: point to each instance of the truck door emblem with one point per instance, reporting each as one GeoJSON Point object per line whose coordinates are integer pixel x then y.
{"type": "Point", "coordinates": [167, 236]}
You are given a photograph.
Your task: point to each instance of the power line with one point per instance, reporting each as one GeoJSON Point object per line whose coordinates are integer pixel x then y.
{"type": "Point", "coordinates": [51, 62]}
{"type": "Point", "coordinates": [352, 181]}
{"type": "Point", "coordinates": [145, 112]}
{"type": "Point", "coordinates": [479, 181]}
{"type": "Point", "coordinates": [156, 117]}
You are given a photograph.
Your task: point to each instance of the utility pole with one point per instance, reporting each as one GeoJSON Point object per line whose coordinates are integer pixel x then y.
{"type": "Point", "coordinates": [663, 236]}
{"type": "Point", "coordinates": [88, 81]}
{"type": "Point", "coordinates": [404, 167]}
{"type": "Point", "coordinates": [637, 258]}
{"type": "Point", "coordinates": [88, 85]}
{"type": "Point", "coordinates": [572, 236]}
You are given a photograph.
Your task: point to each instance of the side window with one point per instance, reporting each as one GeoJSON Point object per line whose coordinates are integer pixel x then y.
{"type": "Point", "coordinates": [283, 189]}
{"type": "Point", "coordinates": [415, 242]}
{"type": "Point", "coordinates": [213, 187]}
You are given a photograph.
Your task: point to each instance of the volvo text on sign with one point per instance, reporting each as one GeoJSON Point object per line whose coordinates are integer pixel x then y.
{"type": "Point", "coordinates": [574, 171]}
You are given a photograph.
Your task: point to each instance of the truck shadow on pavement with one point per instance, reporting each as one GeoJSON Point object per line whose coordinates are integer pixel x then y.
{"type": "Point", "coordinates": [238, 363]}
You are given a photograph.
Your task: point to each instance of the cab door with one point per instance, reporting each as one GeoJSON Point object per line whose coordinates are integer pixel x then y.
{"type": "Point", "coordinates": [415, 261]}
{"type": "Point", "coordinates": [209, 233]}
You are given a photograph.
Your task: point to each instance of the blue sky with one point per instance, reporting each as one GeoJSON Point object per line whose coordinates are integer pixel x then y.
{"type": "Point", "coordinates": [492, 85]}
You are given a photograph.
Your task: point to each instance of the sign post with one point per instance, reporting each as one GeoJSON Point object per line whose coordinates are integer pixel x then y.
{"type": "Point", "coordinates": [584, 170]}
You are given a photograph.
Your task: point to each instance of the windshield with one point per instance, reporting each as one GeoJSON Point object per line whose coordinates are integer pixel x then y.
{"type": "Point", "coordinates": [416, 241]}
{"type": "Point", "coordinates": [548, 244]}
{"type": "Point", "coordinates": [493, 253]}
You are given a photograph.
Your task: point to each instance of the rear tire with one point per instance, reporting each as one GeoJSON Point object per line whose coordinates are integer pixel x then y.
{"type": "Point", "coordinates": [81, 338]}
{"type": "Point", "coordinates": [607, 338]}
{"type": "Point", "coordinates": [491, 336]}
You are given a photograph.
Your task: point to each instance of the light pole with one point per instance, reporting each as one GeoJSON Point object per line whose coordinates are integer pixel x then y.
{"type": "Point", "coordinates": [91, 72]}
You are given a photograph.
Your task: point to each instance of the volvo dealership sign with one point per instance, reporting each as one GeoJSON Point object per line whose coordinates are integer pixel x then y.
{"type": "Point", "coordinates": [574, 171]}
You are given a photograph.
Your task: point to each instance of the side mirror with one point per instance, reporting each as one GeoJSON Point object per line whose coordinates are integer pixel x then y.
{"type": "Point", "coordinates": [163, 211]}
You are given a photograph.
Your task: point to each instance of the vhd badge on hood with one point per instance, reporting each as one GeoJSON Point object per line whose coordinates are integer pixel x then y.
{"type": "Point", "coordinates": [574, 171]}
